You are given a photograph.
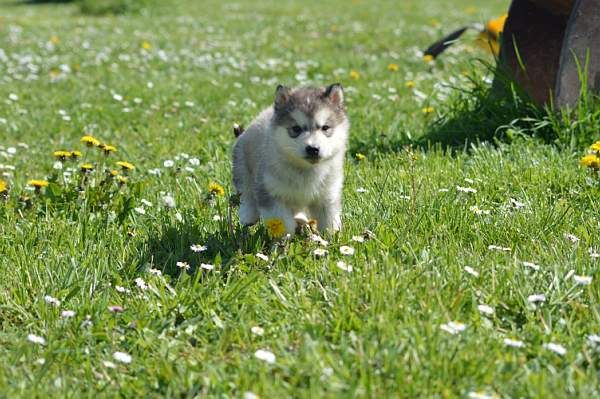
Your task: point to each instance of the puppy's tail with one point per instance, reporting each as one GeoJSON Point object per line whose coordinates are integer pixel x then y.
{"type": "Point", "coordinates": [237, 130]}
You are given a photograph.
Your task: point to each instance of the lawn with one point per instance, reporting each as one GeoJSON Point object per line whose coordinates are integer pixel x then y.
{"type": "Point", "coordinates": [474, 271]}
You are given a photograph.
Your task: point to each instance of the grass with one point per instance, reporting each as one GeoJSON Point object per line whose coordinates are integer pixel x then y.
{"type": "Point", "coordinates": [168, 84]}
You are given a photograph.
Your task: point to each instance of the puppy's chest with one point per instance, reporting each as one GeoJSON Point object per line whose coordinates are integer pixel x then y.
{"type": "Point", "coordinates": [298, 188]}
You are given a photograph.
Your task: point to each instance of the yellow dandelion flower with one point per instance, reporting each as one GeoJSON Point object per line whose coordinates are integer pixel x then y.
{"type": "Point", "coordinates": [75, 154]}
{"type": "Point", "coordinates": [590, 161]}
{"type": "Point", "coordinates": [275, 227]}
{"type": "Point", "coordinates": [37, 184]}
{"type": "Point", "coordinates": [595, 147]}
{"type": "Point", "coordinates": [62, 155]}
{"type": "Point", "coordinates": [54, 39]}
{"type": "Point", "coordinates": [427, 110]}
{"type": "Point", "coordinates": [393, 67]}
{"type": "Point", "coordinates": [410, 84]}
{"type": "Point", "coordinates": [146, 45]}
{"type": "Point", "coordinates": [495, 26]}
{"type": "Point", "coordinates": [126, 165]}
{"type": "Point", "coordinates": [428, 58]}
{"type": "Point", "coordinates": [90, 141]}
{"type": "Point", "coordinates": [122, 179]}
{"type": "Point", "coordinates": [86, 167]}
{"type": "Point", "coordinates": [215, 189]}
{"type": "Point", "coordinates": [3, 187]}
{"type": "Point", "coordinates": [112, 172]}
{"type": "Point", "coordinates": [108, 149]}
{"type": "Point", "coordinates": [360, 157]}
{"type": "Point", "coordinates": [354, 74]}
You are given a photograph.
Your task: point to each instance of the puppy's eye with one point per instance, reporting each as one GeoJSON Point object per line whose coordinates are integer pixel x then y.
{"type": "Point", "coordinates": [325, 128]}
{"type": "Point", "coordinates": [296, 130]}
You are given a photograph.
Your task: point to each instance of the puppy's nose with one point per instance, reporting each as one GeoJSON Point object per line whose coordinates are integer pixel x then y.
{"type": "Point", "coordinates": [311, 151]}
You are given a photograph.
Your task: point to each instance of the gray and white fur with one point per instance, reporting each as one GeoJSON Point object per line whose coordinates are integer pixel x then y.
{"type": "Point", "coordinates": [289, 163]}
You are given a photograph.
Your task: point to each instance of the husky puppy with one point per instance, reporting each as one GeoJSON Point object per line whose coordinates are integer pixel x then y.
{"type": "Point", "coordinates": [289, 163]}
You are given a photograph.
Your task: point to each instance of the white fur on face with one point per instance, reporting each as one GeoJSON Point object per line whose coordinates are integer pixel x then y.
{"type": "Point", "coordinates": [329, 146]}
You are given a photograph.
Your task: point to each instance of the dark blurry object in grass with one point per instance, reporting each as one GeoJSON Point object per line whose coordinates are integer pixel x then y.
{"type": "Point", "coordinates": [488, 38]}
{"type": "Point", "coordinates": [114, 7]}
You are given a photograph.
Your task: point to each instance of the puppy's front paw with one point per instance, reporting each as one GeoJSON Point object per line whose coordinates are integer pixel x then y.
{"type": "Point", "coordinates": [248, 214]}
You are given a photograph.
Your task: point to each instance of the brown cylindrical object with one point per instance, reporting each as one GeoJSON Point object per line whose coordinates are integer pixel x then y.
{"type": "Point", "coordinates": [544, 40]}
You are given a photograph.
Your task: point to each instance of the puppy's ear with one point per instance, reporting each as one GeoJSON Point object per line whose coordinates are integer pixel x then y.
{"type": "Point", "coordinates": [335, 94]}
{"type": "Point", "coordinates": [282, 94]}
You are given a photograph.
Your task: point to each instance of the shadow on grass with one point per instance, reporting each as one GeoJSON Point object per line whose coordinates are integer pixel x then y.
{"type": "Point", "coordinates": [174, 244]}
{"type": "Point", "coordinates": [481, 113]}
{"type": "Point", "coordinates": [476, 114]}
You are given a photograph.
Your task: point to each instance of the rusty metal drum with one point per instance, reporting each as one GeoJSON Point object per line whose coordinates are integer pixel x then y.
{"type": "Point", "coordinates": [546, 44]}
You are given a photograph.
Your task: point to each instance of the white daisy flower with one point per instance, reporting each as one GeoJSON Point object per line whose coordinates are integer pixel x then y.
{"type": "Point", "coordinates": [109, 365]}
{"type": "Point", "coordinates": [486, 309]}
{"type": "Point", "coordinates": [122, 290]}
{"type": "Point", "coordinates": [262, 256]}
{"type": "Point", "coordinates": [471, 271]}
{"type": "Point", "coordinates": [536, 298]}
{"type": "Point", "coordinates": [582, 280]}
{"type": "Point", "coordinates": [51, 300]}
{"type": "Point", "coordinates": [453, 327]}
{"type": "Point", "coordinates": [256, 330]}
{"type": "Point", "coordinates": [198, 248]}
{"type": "Point", "coordinates": [319, 252]}
{"type": "Point", "coordinates": [316, 238]}
{"type": "Point", "coordinates": [141, 283]}
{"type": "Point", "coordinates": [146, 202]}
{"type": "Point", "coordinates": [346, 250]}
{"type": "Point", "coordinates": [594, 338]}
{"type": "Point", "coordinates": [168, 163]}
{"type": "Point", "coordinates": [36, 339]}
{"type": "Point", "coordinates": [265, 355]}
{"type": "Point", "coordinates": [169, 201]}
{"type": "Point", "coordinates": [513, 343]}
{"type": "Point", "coordinates": [343, 266]}
{"type": "Point", "coordinates": [571, 237]}
{"type": "Point", "coordinates": [140, 210]}
{"type": "Point", "coordinates": [183, 265]}
{"type": "Point", "coordinates": [358, 238]}
{"type": "Point", "coordinates": [556, 348]}
{"type": "Point", "coordinates": [480, 395]}
{"type": "Point", "coordinates": [207, 266]}
{"type": "Point", "coordinates": [499, 248]}
{"type": "Point", "coordinates": [67, 314]}
{"type": "Point", "coordinates": [531, 265]}
{"type": "Point", "coordinates": [517, 204]}
{"type": "Point", "coordinates": [469, 190]}
{"type": "Point", "coordinates": [122, 357]}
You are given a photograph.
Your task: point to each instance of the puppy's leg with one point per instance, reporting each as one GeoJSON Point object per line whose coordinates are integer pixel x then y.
{"type": "Point", "coordinates": [270, 208]}
{"type": "Point", "coordinates": [242, 179]}
{"type": "Point", "coordinates": [328, 213]}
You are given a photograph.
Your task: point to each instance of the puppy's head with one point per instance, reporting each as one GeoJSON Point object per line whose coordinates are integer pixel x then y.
{"type": "Point", "coordinates": [310, 124]}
